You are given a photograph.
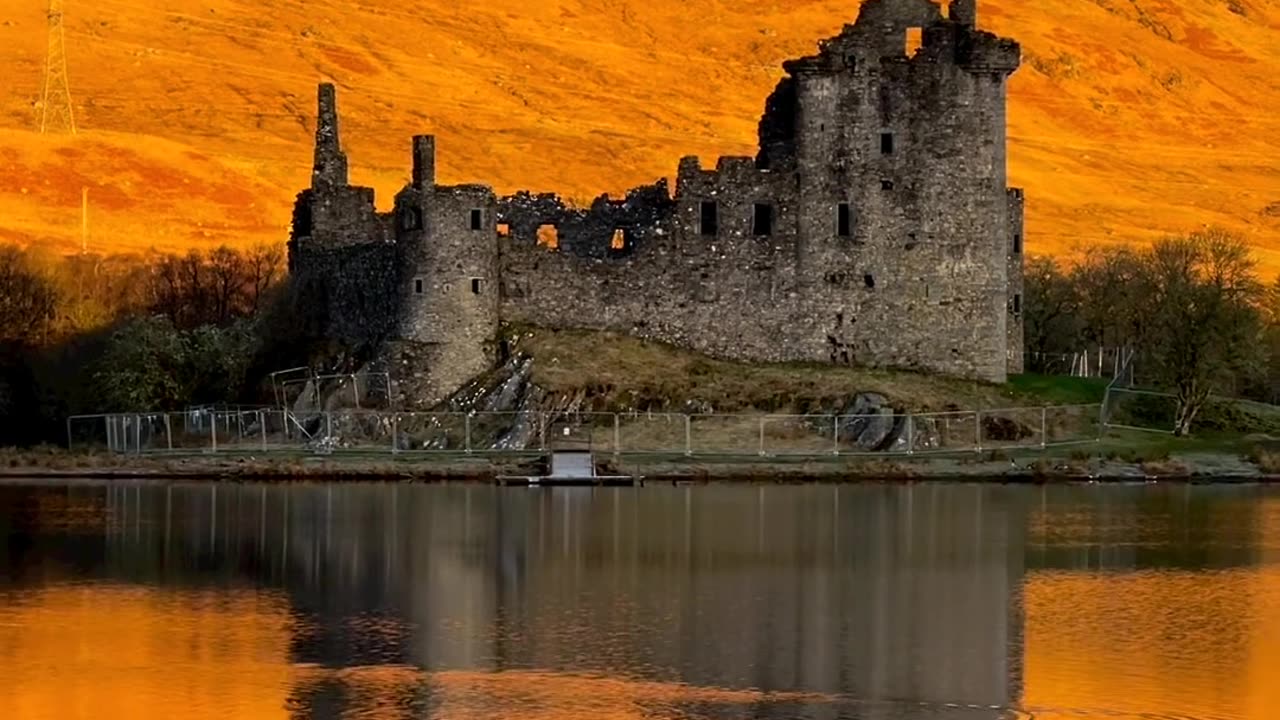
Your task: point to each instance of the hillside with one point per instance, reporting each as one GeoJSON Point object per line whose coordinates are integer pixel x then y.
{"type": "Point", "coordinates": [1129, 118]}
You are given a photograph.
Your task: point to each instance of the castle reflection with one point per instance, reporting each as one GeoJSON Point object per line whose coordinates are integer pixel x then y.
{"type": "Point", "coordinates": [391, 601]}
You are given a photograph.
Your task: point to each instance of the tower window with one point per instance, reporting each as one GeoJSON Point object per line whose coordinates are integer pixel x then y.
{"type": "Point", "coordinates": [844, 220]}
{"type": "Point", "coordinates": [886, 184]}
{"type": "Point", "coordinates": [411, 218]}
{"type": "Point", "coordinates": [762, 220]}
{"type": "Point", "coordinates": [417, 286]}
{"type": "Point", "coordinates": [619, 240]}
{"type": "Point", "coordinates": [886, 143]}
{"type": "Point", "coordinates": [1017, 244]}
{"type": "Point", "coordinates": [870, 281]}
{"type": "Point", "coordinates": [1017, 304]}
{"type": "Point", "coordinates": [475, 286]}
{"type": "Point", "coordinates": [477, 219]}
{"type": "Point", "coordinates": [708, 218]}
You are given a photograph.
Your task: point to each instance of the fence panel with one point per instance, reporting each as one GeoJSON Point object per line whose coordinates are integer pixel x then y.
{"type": "Point", "coordinates": [356, 431]}
{"type": "Point", "coordinates": [653, 433]}
{"type": "Point", "coordinates": [518, 431]}
{"type": "Point", "coordinates": [597, 432]}
{"type": "Point", "coordinates": [1141, 410]}
{"type": "Point", "coordinates": [1011, 428]}
{"type": "Point", "coordinates": [1072, 424]}
{"type": "Point", "coordinates": [724, 434]}
{"type": "Point", "coordinates": [431, 432]}
{"type": "Point", "coordinates": [190, 431]}
{"type": "Point", "coordinates": [945, 432]}
{"type": "Point", "coordinates": [87, 433]}
{"type": "Point", "coordinates": [799, 435]}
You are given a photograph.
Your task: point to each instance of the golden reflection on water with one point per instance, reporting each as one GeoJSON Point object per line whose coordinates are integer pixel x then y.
{"type": "Point", "coordinates": [95, 651]}
{"type": "Point", "coordinates": [1201, 644]}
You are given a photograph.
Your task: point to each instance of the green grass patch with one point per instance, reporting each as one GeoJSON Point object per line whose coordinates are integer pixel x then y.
{"type": "Point", "coordinates": [1058, 390]}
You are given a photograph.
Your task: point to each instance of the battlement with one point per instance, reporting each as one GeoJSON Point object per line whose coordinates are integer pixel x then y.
{"type": "Point", "coordinates": [859, 233]}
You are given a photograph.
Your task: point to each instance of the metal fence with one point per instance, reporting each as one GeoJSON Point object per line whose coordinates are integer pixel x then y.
{"type": "Point", "coordinates": [255, 431]}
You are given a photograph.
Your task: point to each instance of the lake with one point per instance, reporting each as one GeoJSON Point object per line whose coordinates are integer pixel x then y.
{"type": "Point", "coordinates": [886, 602]}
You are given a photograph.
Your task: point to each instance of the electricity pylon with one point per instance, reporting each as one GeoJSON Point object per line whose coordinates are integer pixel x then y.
{"type": "Point", "coordinates": [55, 102]}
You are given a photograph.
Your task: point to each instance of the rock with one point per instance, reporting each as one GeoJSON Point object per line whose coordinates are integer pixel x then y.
{"type": "Point", "coordinates": [866, 423]}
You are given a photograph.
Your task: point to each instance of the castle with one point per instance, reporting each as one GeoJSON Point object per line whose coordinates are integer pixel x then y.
{"type": "Point", "coordinates": [874, 227]}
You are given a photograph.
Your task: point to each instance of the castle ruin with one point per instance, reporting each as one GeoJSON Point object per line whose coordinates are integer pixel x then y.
{"type": "Point", "coordinates": [874, 227]}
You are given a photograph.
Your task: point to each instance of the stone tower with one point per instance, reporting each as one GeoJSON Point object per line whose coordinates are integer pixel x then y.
{"type": "Point", "coordinates": [447, 247]}
{"type": "Point", "coordinates": [901, 120]}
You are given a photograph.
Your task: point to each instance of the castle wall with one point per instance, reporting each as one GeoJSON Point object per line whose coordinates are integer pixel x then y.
{"type": "Point", "coordinates": [670, 282]}
{"type": "Point", "coordinates": [1016, 340]}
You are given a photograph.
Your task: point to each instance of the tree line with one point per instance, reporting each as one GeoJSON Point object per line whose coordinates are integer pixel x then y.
{"type": "Point", "coordinates": [1192, 308]}
{"type": "Point", "coordinates": [88, 333]}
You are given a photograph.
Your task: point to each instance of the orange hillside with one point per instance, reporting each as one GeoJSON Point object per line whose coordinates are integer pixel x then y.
{"type": "Point", "coordinates": [1129, 119]}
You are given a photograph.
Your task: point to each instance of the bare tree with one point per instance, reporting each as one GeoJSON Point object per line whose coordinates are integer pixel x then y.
{"type": "Point", "coordinates": [1109, 297]}
{"type": "Point", "coordinates": [226, 271]}
{"type": "Point", "coordinates": [1052, 309]}
{"type": "Point", "coordinates": [28, 300]}
{"type": "Point", "coordinates": [1200, 294]}
{"type": "Point", "coordinates": [265, 265]}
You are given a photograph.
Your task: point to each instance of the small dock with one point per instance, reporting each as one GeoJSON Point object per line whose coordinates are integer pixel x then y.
{"type": "Point", "coordinates": [571, 468]}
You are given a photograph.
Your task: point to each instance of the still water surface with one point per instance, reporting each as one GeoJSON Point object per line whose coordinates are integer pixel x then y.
{"type": "Point", "coordinates": [932, 602]}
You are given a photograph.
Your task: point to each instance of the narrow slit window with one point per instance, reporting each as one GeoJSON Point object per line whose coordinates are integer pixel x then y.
{"type": "Point", "coordinates": [708, 219]}
{"type": "Point", "coordinates": [870, 281]}
{"type": "Point", "coordinates": [411, 218]}
{"type": "Point", "coordinates": [1017, 304]}
{"type": "Point", "coordinates": [886, 184]}
{"type": "Point", "coordinates": [417, 286]}
{"type": "Point", "coordinates": [762, 220]}
{"type": "Point", "coordinates": [844, 220]}
{"type": "Point", "coordinates": [477, 219]}
{"type": "Point", "coordinates": [475, 286]}
{"type": "Point", "coordinates": [1017, 244]}
{"type": "Point", "coordinates": [886, 143]}
{"type": "Point", "coordinates": [619, 241]}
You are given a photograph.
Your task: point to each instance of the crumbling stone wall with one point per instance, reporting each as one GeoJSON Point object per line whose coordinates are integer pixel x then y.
{"type": "Point", "coordinates": [873, 227]}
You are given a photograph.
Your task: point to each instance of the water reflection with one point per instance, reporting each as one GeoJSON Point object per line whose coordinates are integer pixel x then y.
{"type": "Point", "coordinates": [393, 601]}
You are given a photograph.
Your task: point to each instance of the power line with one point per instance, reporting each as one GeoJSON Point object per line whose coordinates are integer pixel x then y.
{"type": "Point", "coordinates": [56, 114]}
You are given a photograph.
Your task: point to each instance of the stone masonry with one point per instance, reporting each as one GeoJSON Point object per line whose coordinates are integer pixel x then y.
{"type": "Point", "coordinates": [874, 227]}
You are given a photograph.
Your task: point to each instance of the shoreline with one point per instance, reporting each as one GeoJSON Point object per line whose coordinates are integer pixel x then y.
{"type": "Point", "coordinates": [1206, 467]}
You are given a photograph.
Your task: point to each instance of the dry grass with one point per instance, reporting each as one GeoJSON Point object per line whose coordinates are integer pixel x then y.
{"type": "Point", "coordinates": [1267, 459]}
{"type": "Point", "coordinates": [1168, 467]}
{"type": "Point", "coordinates": [622, 374]}
{"type": "Point", "coordinates": [1125, 121]}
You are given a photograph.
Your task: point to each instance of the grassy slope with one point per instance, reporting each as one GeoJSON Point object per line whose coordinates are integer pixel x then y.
{"type": "Point", "coordinates": [623, 373]}
{"type": "Point", "coordinates": [1131, 117]}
